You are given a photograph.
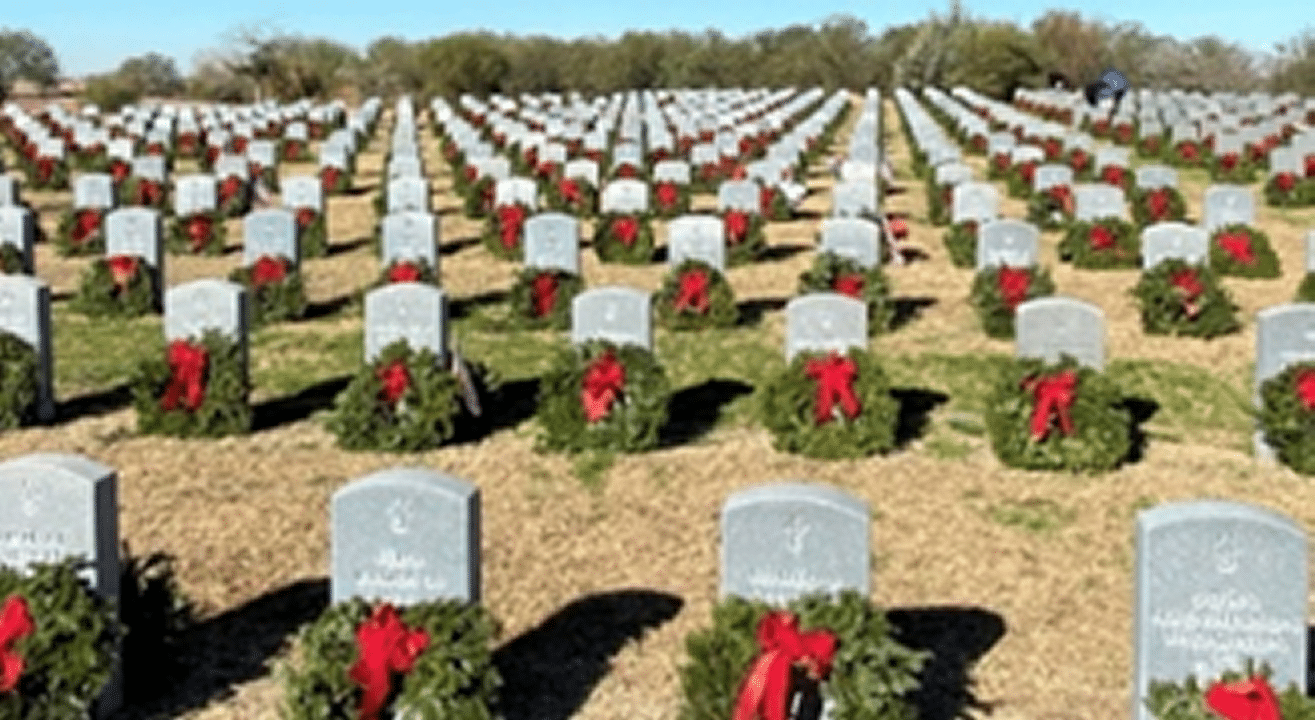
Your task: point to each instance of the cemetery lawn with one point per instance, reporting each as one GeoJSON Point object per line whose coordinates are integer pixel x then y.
{"type": "Point", "coordinates": [1050, 554]}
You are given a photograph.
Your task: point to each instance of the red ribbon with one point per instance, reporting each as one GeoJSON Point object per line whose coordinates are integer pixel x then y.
{"type": "Point", "coordinates": [198, 231]}
{"type": "Point", "coordinates": [15, 624]}
{"type": "Point", "coordinates": [602, 383]}
{"type": "Point", "coordinates": [403, 271]}
{"type": "Point", "coordinates": [45, 169]}
{"type": "Point", "coordinates": [119, 170]}
{"type": "Point", "coordinates": [1187, 151]}
{"type": "Point", "coordinates": [1013, 284]}
{"type": "Point", "coordinates": [87, 223]}
{"type": "Point", "coordinates": [1238, 245]}
{"type": "Point", "coordinates": [1027, 171]}
{"type": "Point", "coordinates": [835, 382]}
{"type": "Point", "coordinates": [329, 179]}
{"type": "Point", "coordinates": [570, 191]}
{"type": "Point", "coordinates": [1052, 395]}
{"type": "Point", "coordinates": [1063, 197]}
{"type": "Point", "coordinates": [1310, 166]}
{"type": "Point", "coordinates": [1100, 238]}
{"type": "Point", "coordinates": [305, 216]}
{"type": "Point", "coordinates": [122, 269]}
{"type": "Point", "coordinates": [1250, 699]}
{"type": "Point", "coordinates": [1305, 382]}
{"type": "Point", "coordinates": [239, 145]}
{"type": "Point", "coordinates": [737, 226]}
{"type": "Point", "coordinates": [1052, 147]}
{"type": "Point", "coordinates": [1112, 175]}
{"type": "Point", "coordinates": [187, 363]}
{"type": "Point", "coordinates": [148, 192]}
{"type": "Point", "coordinates": [1285, 181]}
{"type": "Point", "coordinates": [510, 218]}
{"type": "Point", "coordinates": [544, 289]}
{"type": "Point", "coordinates": [1187, 281]}
{"type": "Point", "coordinates": [1158, 203]}
{"type": "Point", "coordinates": [385, 647]}
{"type": "Point", "coordinates": [266, 270]}
{"type": "Point", "coordinates": [693, 292]}
{"type": "Point", "coordinates": [395, 380]}
{"type": "Point", "coordinates": [766, 197]}
{"type": "Point", "coordinates": [471, 172]}
{"type": "Point", "coordinates": [1229, 161]}
{"type": "Point", "coordinates": [850, 284]}
{"type": "Point", "coordinates": [229, 188]}
{"type": "Point", "coordinates": [626, 229]}
{"type": "Point", "coordinates": [900, 229]}
{"type": "Point", "coordinates": [667, 194]}
{"type": "Point", "coordinates": [765, 693]}
{"type": "Point", "coordinates": [1078, 160]}
{"type": "Point", "coordinates": [291, 150]}
{"type": "Point", "coordinates": [626, 171]}
{"type": "Point", "coordinates": [1001, 162]}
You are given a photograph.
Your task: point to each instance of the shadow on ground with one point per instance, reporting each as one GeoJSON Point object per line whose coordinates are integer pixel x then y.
{"type": "Point", "coordinates": [752, 311]}
{"type": "Point", "coordinates": [957, 637]}
{"type": "Point", "coordinates": [907, 309]}
{"type": "Point", "coordinates": [346, 247]}
{"type": "Point", "coordinates": [307, 402]}
{"type": "Point", "coordinates": [1142, 410]}
{"type": "Point", "coordinates": [693, 411]}
{"type": "Point", "coordinates": [466, 306]}
{"type": "Point", "coordinates": [102, 402]}
{"type": "Point", "coordinates": [915, 407]}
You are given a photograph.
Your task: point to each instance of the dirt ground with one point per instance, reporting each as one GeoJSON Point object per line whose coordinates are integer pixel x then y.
{"type": "Point", "coordinates": [596, 591]}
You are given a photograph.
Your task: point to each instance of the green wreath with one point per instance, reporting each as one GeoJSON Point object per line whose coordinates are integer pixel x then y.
{"type": "Point", "coordinates": [1083, 163]}
{"type": "Point", "coordinates": [454, 676]}
{"type": "Point", "coordinates": [314, 235]}
{"type": "Point", "coordinates": [18, 381]}
{"type": "Point", "coordinates": [1264, 261]}
{"type": "Point", "coordinates": [1076, 246]}
{"type": "Point", "coordinates": [224, 410]}
{"type": "Point", "coordinates": [1046, 211]}
{"type": "Point", "coordinates": [751, 247]}
{"type": "Point", "coordinates": [556, 200]}
{"type": "Point", "coordinates": [774, 205]}
{"type": "Point", "coordinates": [99, 296]}
{"type": "Point", "coordinates": [11, 260]}
{"type": "Point", "coordinates": [1020, 179]}
{"type": "Point", "coordinates": [1287, 425]}
{"type": "Point", "coordinates": [1187, 154]}
{"type": "Point", "coordinates": [93, 244]}
{"type": "Point", "coordinates": [633, 422]}
{"type": "Point", "coordinates": [721, 311]}
{"type": "Point", "coordinates": [828, 267]}
{"type": "Point", "coordinates": [1151, 147]}
{"type": "Point", "coordinates": [999, 166]}
{"type": "Point", "coordinates": [1166, 310]}
{"type": "Point", "coordinates": [180, 242]}
{"type": "Point", "coordinates": [424, 417]}
{"type": "Point", "coordinates": [424, 272]}
{"type": "Point", "coordinates": [1102, 424]}
{"type": "Point", "coordinates": [128, 192]}
{"type": "Point", "coordinates": [58, 179]}
{"type": "Point", "coordinates": [341, 181]}
{"type": "Point", "coordinates": [1306, 289]}
{"type": "Point", "coordinates": [996, 316]}
{"type": "Point", "coordinates": [521, 298]}
{"type": "Point", "coordinates": [872, 675]}
{"type": "Point", "coordinates": [961, 243]}
{"type": "Point", "coordinates": [492, 237]}
{"type": "Point", "coordinates": [608, 245]}
{"type": "Point", "coordinates": [680, 205]}
{"type": "Point", "coordinates": [274, 301]}
{"type": "Point", "coordinates": [94, 160]}
{"type": "Point", "coordinates": [789, 402]}
{"type": "Point", "coordinates": [68, 657]}
{"type": "Point", "coordinates": [1300, 194]}
{"type": "Point", "coordinates": [1186, 701]}
{"type": "Point", "coordinates": [478, 197]}
{"type": "Point", "coordinates": [1144, 200]}
{"type": "Point", "coordinates": [938, 202]}
{"type": "Point", "coordinates": [1243, 171]}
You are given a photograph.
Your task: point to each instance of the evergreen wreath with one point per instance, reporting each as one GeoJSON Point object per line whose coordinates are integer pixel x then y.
{"type": "Point", "coordinates": [872, 675]}
{"type": "Point", "coordinates": [997, 291]}
{"type": "Point", "coordinates": [1098, 436]}
{"type": "Point", "coordinates": [635, 411]}
{"type": "Point", "coordinates": [939, 198]}
{"type": "Point", "coordinates": [81, 232]}
{"type": "Point", "coordinates": [670, 199]}
{"type": "Point", "coordinates": [861, 423]}
{"type": "Point", "coordinates": [695, 296]}
{"type": "Point", "coordinates": [1188, 700]}
{"type": "Point", "coordinates": [1020, 179]}
{"type": "Point", "coordinates": [746, 239]}
{"type": "Point", "coordinates": [275, 287]}
{"type": "Point", "coordinates": [1151, 147]}
{"type": "Point", "coordinates": [202, 233]}
{"type": "Point", "coordinates": [1286, 189]}
{"type": "Point", "coordinates": [313, 233]}
{"type": "Point", "coordinates": [624, 238]}
{"type": "Point", "coordinates": [1287, 415]}
{"type": "Point", "coordinates": [117, 286]}
{"type": "Point", "coordinates": [407, 270]}
{"type": "Point", "coordinates": [1116, 175]}
{"type": "Point", "coordinates": [999, 167]}
{"type": "Point", "coordinates": [541, 297]}
{"type": "Point", "coordinates": [65, 637]}
{"type": "Point", "coordinates": [335, 181]}
{"type": "Point", "coordinates": [1178, 298]}
{"type": "Point", "coordinates": [451, 676]}
{"type": "Point", "coordinates": [478, 197]}
{"type": "Point", "coordinates": [504, 233]}
{"type": "Point", "coordinates": [18, 381]}
{"type": "Point", "coordinates": [773, 204]}
{"type": "Point", "coordinates": [234, 196]}
{"type": "Point", "coordinates": [1187, 153]}
{"type": "Point", "coordinates": [1234, 168]}
{"type": "Point", "coordinates": [1306, 290]}
{"type": "Point", "coordinates": [571, 195]}
{"type": "Point", "coordinates": [166, 393]}
{"type": "Point", "coordinates": [836, 273]}
{"type": "Point", "coordinates": [1152, 205]}
{"type": "Point", "coordinates": [137, 190]}
{"type": "Point", "coordinates": [47, 173]}
{"type": "Point", "coordinates": [11, 260]}
{"type": "Point", "coordinates": [1242, 251]}
{"type": "Point", "coordinates": [1051, 208]}
{"type": "Point", "coordinates": [1083, 164]}
{"type": "Point", "coordinates": [1103, 244]}
{"type": "Point", "coordinates": [961, 242]}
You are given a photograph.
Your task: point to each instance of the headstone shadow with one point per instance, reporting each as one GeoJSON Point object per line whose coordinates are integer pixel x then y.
{"type": "Point", "coordinates": [957, 637]}
{"type": "Point", "coordinates": [752, 311]}
{"type": "Point", "coordinates": [693, 411]}
{"type": "Point", "coordinates": [1142, 410]}
{"type": "Point", "coordinates": [784, 251]}
{"type": "Point", "coordinates": [548, 672]}
{"type": "Point", "coordinates": [101, 402]}
{"type": "Point", "coordinates": [505, 406]}
{"type": "Point", "coordinates": [802, 214]}
{"type": "Point", "coordinates": [465, 306]}
{"type": "Point", "coordinates": [346, 247]}
{"type": "Point", "coordinates": [357, 190]}
{"type": "Point", "coordinates": [329, 308]}
{"type": "Point", "coordinates": [915, 407]}
{"type": "Point", "coordinates": [909, 308]}
{"type": "Point", "coordinates": [306, 402]}
{"type": "Point", "coordinates": [455, 246]}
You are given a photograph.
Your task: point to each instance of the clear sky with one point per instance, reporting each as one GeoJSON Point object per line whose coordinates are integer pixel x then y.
{"type": "Point", "coordinates": [92, 36]}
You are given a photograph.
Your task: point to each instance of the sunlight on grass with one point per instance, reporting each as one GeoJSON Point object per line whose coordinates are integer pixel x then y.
{"type": "Point", "coordinates": [1036, 515]}
{"type": "Point", "coordinates": [95, 354]}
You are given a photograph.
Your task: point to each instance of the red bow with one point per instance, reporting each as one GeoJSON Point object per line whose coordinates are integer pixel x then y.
{"type": "Point", "coordinates": [667, 194]}
{"type": "Point", "coordinates": [602, 383]}
{"type": "Point", "coordinates": [1191, 287]}
{"type": "Point", "coordinates": [766, 196]}
{"type": "Point", "coordinates": [45, 169]}
{"type": "Point", "coordinates": [395, 380]}
{"type": "Point", "coordinates": [765, 693]}
{"type": "Point", "coordinates": [1078, 160]}
{"type": "Point", "coordinates": [148, 192]}
{"type": "Point", "coordinates": [471, 172]}
{"type": "Point", "coordinates": [266, 270]}
{"type": "Point", "coordinates": [1246, 700]}
{"type": "Point", "coordinates": [305, 216]}
{"type": "Point", "coordinates": [1100, 238]}
{"type": "Point", "coordinates": [737, 226]}
{"type": "Point", "coordinates": [1158, 203]}
{"type": "Point", "coordinates": [835, 381]}
{"type": "Point", "coordinates": [403, 271]}
{"type": "Point", "coordinates": [900, 229]}
{"type": "Point", "coordinates": [1187, 151]}
{"type": "Point", "coordinates": [544, 290]}
{"type": "Point", "coordinates": [88, 222]}
{"type": "Point", "coordinates": [510, 218]}
{"type": "Point", "coordinates": [1053, 394]}
{"type": "Point", "coordinates": [1228, 161]}
{"type": "Point", "coordinates": [15, 624]}
{"type": "Point", "coordinates": [1001, 162]}
{"type": "Point", "coordinates": [198, 231]}
{"type": "Point", "coordinates": [119, 170]}
{"type": "Point", "coordinates": [626, 171]}
{"type": "Point", "coordinates": [1013, 284]}
{"type": "Point", "coordinates": [239, 145]}
{"type": "Point", "coordinates": [212, 154]}
{"type": "Point", "coordinates": [1238, 245]}
{"type": "Point", "coordinates": [1063, 197]}
{"type": "Point", "coordinates": [229, 188]}
{"type": "Point", "coordinates": [1027, 171]}
{"type": "Point", "coordinates": [1052, 147]}
{"type": "Point", "coordinates": [850, 284]}
{"type": "Point", "coordinates": [386, 646]}
{"type": "Point", "coordinates": [122, 270]}
{"type": "Point", "coordinates": [1285, 181]}
{"type": "Point", "coordinates": [1310, 166]}
{"type": "Point", "coordinates": [1113, 175]}
{"type": "Point", "coordinates": [187, 363]}
{"type": "Point", "coordinates": [329, 179]}
{"type": "Point", "coordinates": [291, 150]}
{"type": "Point", "coordinates": [1306, 388]}
{"type": "Point", "coordinates": [626, 229]}
{"type": "Point", "coordinates": [570, 191]}
{"type": "Point", "coordinates": [693, 292]}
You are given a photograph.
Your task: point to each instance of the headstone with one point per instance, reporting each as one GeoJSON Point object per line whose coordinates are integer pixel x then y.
{"type": "Point", "coordinates": [1094, 201]}
{"type": "Point", "coordinates": [858, 239]}
{"type": "Point", "coordinates": [974, 201]}
{"type": "Point", "coordinates": [302, 191]}
{"type": "Point", "coordinates": [1009, 242]}
{"type": "Point", "coordinates": [8, 189]}
{"type": "Point", "coordinates": [552, 241]}
{"type": "Point", "coordinates": [150, 167]}
{"type": "Point", "coordinates": [624, 196]}
{"type": "Point", "coordinates": [583, 169]}
{"type": "Point", "coordinates": [1156, 176]}
{"type": "Point", "coordinates": [696, 237]}
{"type": "Point", "coordinates": [1227, 205]}
{"type": "Point", "coordinates": [676, 171]}
{"type": "Point", "coordinates": [825, 321]}
{"type": "Point", "coordinates": [620, 315]}
{"type": "Point", "coordinates": [272, 232]}
{"type": "Point", "coordinates": [408, 194]}
{"type": "Point", "coordinates": [93, 190]}
{"type": "Point", "coordinates": [18, 227]}
{"type": "Point", "coordinates": [742, 195]}
{"type": "Point", "coordinates": [516, 190]}
{"type": "Point", "coordinates": [1174, 240]}
{"type": "Point", "coordinates": [195, 307]}
{"type": "Point", "coordinates": [1051, 326]}
{"type": "Point", "coordinates": [414, 312]}
{"type": "Point", "coordinates": [62, 505]}
{"type": "Point", "coordinates": [410, 236]}
{"type": "Point", "coordinates": [784, 540]}
{"type": "Point", "coordinates": [405, 535]}
{"type": "Point", "coordinates": [1310, 251]}
{"type": "Point", "coordinates": [1050, 175]}
{"type": "Point", "coordinates": [194, 194]}
{"type": "Point", "coordinates": [855, 198]}
{"type": "Point", "coordinates": [1217, 583]}
{"type": "Point", "coordinates": [25, 313]}
{"type": "Point", "coordinates": [137, 231]}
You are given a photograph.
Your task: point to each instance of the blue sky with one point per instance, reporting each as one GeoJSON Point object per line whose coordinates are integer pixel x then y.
{"type": "Point", "coordinates": [95, 35]}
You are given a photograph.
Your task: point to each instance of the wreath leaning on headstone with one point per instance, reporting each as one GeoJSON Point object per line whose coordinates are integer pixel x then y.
{"type": "Point", "coordinates": [117, 286]}
{"type": "Point", "coordinates": [835, 273]}
{"type": "Point", "coordinates": [313, 233]}
{"type": "Point", "coordinates": [404, 270]}
{"type": "Point", "coordinates": [81, 232]}
{"type": "Point", "coordinates": [571, 195]}
{"type": "Point", "coordinates": [1287, 189]}
{"type": "Point", "coordinates": [694, 295]}
{"type": "Point", "coordinates": [600, 396]}
{"type": "Point", "coordinates": [624, 238]}
{"type": "Point", "coordinates": [57, 641]}
{"type": "Point", "coordinates": [275, 287]}
{"type": "Point", "coordinates": [997, 291]}
{"type": "Point", "coordinates": [1061, 416]}
{"type": "Point", "coordinates": [961, 242]}
{"type": "Point", "coordinates": [195, 388]}
{"type": "Point", "coordinates": [1102, 244]}
{"type": "Point", "coordinates": [11, 259]}
{"type": "Point", "coordinates": [745, 235]}
{"type": "Point", "coordinates": [1287, 416]}
{"type": "Point", "coordinates": [1242, 251]}
{"type": "Point", "coordinates": [743, 663]}
{"type": "Point", "coordinates": [1051, 208]}
{"type": "Point", "coordinates": [1152, 205]}
{"type": "Point", "coordinates": [831, 406]}
{"type": "Point", "coordinates": [504, 233]}
{"type": "Point", "coordinates": [1178, 298]}
{"type": "Point", "coordinates": [201, 233]}
{"type": "Point", "coordinates": [18, 381]}
{"type": "Point", "coordinates": [541, 297]}
{"type": "Point", "coordinates": [670, 199]}
{"type": "Point", "coordinates": [1234, 696]}
{"type": "Point", "coordinates": [425, 660]}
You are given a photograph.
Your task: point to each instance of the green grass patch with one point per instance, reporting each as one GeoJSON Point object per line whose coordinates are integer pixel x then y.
{"type": "Point", "coordinates": [95, 354]}
{"type": "Point", "coordinates": [1190, 399]}
{"type": "Point", "coordinates": [288, 359]}
{"type": "Point", "coordinates": [1035, 515]}
{"type": "Point", "coordinates": [943, 447]}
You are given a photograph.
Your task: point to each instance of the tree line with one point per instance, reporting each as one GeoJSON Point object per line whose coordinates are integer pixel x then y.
{"type": "Point", "coordinates": [945, 49]}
